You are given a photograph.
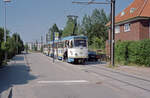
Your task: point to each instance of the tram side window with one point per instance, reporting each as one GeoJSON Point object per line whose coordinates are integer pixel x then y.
{"type": "Point", "coordinates": [66, 43]}
{"type": "Point", "coordinates": [71, 44]}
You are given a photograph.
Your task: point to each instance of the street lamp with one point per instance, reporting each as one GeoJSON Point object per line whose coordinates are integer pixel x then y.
{"type": "Point", "coordinates": [5, 29]}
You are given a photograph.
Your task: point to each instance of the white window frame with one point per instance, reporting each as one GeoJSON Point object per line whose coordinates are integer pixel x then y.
{"type": "Point", "coordinates": [117, 29]}
{"type": "Point", "coordinates": [127, 27]}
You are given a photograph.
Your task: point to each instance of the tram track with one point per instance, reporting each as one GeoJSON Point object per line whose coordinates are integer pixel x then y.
{"type": "Point", "coordinates": [123, 74]}
{"type": "Point", "coordinates": [120, 74]}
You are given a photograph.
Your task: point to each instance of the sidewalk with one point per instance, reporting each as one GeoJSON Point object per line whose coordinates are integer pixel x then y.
{"type": "Point", "coordinates": [139, 71]}
{"type": "Point", "coordinates": [15, 74]}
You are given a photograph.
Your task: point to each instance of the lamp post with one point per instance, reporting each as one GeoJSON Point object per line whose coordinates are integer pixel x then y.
{"type": "Point", "coordinates": [5, 29]}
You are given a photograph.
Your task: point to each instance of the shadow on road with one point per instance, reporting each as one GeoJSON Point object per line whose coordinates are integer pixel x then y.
{"type": "Point", "coordinates": [14, 74]}
{"type": "Point", "coordinates": [95, 63]}
{"type": "Point", "coordinates": [91, 63]}
{"type": "Point", "coordinates": [19, 58]}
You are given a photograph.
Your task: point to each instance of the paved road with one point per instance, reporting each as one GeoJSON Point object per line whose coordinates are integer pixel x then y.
{"type": "Point", "coordinates": [36, 76]}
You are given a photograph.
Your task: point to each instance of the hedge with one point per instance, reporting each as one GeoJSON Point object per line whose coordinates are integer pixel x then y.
{"type": "Point", "coordinates": [136, 52]}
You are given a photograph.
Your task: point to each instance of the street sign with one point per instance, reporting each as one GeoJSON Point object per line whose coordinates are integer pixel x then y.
{"type": "Point", "coordinates": [56, 36]}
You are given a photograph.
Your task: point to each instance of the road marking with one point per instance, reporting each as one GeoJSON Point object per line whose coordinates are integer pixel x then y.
{"type": "Point", "coordinates": [70, 81]}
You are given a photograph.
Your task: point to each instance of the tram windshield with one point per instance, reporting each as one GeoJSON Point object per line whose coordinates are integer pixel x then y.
{"type": "Point", "coordinates": [78, 43]}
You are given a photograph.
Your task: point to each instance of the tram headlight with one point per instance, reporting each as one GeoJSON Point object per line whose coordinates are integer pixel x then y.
{"type": "Point", "coordinates": [76, 54]}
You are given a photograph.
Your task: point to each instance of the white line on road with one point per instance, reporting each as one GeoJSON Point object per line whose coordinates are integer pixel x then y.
{"type": "Point", "coordinates": [70, 81]}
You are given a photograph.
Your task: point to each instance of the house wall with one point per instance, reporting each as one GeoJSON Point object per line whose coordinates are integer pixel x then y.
{"type": "Point", "coordinates": [133, 34]}
{"type": "Point", "coordinates": [139, 30]}
{"type": "Point", "coordinates": [144, 29]}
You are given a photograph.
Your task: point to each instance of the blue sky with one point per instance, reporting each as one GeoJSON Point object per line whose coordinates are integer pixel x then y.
{"type": "Point", "coordinates": [32, 18]}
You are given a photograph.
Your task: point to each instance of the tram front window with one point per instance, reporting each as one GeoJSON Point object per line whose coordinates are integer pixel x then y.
{"type": "Point", "coordinates": [78, 43]}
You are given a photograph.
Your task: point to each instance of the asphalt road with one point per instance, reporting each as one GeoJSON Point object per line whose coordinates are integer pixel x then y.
{"type": "Point", "coordinates": [34, 75]}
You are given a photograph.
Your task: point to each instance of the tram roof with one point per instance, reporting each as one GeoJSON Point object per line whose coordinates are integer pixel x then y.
{"type": "Point", "coordinates": [67, 38]}
{"type": "Point", "coordinates": [72, 37]}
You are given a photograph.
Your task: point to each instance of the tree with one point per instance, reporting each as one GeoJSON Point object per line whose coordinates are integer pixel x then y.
{"type": "Point", "coordinates": [94, 27]}
{"type": "Point", "coordinates": [86, 28]}
{"type": "Point", "coordinates": [53, 29]}
{"type": "Point", "coordinates": [12, 46]}
{"type": "Point", "coordinates": [26, 47]}
{"type": "Point", "coordinates": [68, 30]}
{"type": "Point", "coordinates": [1, 41]}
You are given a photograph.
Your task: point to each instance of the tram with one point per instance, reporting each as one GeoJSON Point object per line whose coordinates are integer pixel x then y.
{"type": "Point", "coordinates": [73, 49]}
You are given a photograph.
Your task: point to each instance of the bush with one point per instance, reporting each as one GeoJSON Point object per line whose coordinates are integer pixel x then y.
{"type": "Point", "coordinates": [136, 52]}
{"type": "Point", "coordinates": [121, 51]}
{"type": "Point", "coordinates": [144, 53]}
{"type": "Point", "coordinates": [132, 51]}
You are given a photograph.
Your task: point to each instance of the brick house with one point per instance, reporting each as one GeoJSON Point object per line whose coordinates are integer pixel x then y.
{"type": "Point", "coordinates": [133, 23]}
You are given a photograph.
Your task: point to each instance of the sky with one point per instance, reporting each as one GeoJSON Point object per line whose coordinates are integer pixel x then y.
{"type": "Point", "coordinates": [32, 18]}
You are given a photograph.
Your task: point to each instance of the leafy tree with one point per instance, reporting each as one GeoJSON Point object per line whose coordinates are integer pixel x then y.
{"type": "Point", "coordinates": [94, 28]}
{"type": "Point", "coordinates": [60, 33]}
{"type": "Point", "coordinates": [10, 46]}
{"type": "Point", "coordinates": [54, 28]}
{"type": "Point", "coordinates": [1, 41]}
{"type": "Point", "coordinates": [68, 30]}
{"type": "Point", "coordinates": [26, 48]}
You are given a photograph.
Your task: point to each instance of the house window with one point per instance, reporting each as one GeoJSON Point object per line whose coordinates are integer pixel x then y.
{"type": "Point", "coordinates": [132, 10]}
{"type": "Point", "coordinates": [122, 13]}
{"type": "Point", "coordinates": [127, 27]}
{"type": "Point", "coordinates": [117, 29]}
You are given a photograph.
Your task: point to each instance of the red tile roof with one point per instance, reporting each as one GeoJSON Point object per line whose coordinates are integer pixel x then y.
{"type": "Point", "coordinates": [138, 8]}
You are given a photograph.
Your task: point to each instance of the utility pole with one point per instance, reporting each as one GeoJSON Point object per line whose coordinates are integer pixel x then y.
{"type": "Point", "coordinates": [75, 22]}
{"type": "Point", "coordinates": [112, 35]}
{"type": "Point", "coordinates": [53, 47]}
{"type": "Point", "coordinates": [46, 38]}
{"type": "Point", "coordinates": [41, 43]}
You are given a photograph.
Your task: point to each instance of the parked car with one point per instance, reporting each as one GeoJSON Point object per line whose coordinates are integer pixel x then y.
{"type": "Point", "coordinates": [92, 56]}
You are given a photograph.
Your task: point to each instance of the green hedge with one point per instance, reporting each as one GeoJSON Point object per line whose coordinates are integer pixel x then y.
{"type": "Point", "coordinates": [136, 52]}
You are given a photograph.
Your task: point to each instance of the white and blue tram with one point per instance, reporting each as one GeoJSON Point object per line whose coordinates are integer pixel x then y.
{"type": "Point", "coordinates": [71, 49]}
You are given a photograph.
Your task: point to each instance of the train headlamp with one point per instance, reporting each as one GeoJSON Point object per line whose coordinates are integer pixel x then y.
{"type": "Point", "coordinates": [76, 54]}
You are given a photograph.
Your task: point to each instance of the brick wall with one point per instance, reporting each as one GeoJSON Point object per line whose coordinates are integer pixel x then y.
{"type": "Point", "coordinates": [144, 29]}
{"type": "Point", "coordinates": [139, 30]}
{"type": "Point", "coordinates": [133, 34]}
